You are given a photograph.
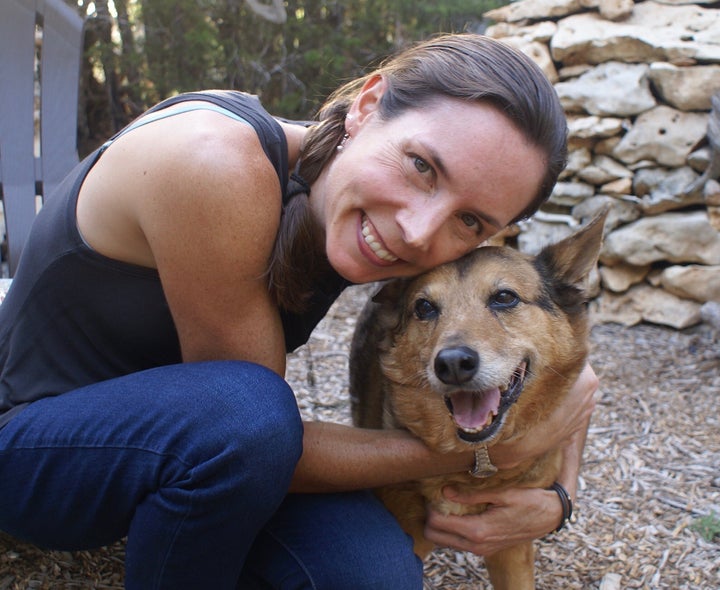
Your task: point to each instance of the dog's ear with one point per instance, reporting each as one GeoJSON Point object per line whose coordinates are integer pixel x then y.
{"type": "Point", "coordinates": [571, 260]}
{"type": "Point", "coordinates": [391, 292]}
{"type": "Point", "coordinates": [387, 307]}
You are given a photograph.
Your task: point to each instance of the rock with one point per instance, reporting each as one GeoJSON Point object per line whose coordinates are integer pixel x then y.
{"type": "Point", "coordinates": [661, 189]}
{"type": "Point", "coordinates": [594, 126]}
{"type": "Point", "coordinates": [623, 276]}
{"type": "Point", "coordinates": [603, 169]}
{"type": "Point", "coordinates": [710, 313]}
{"type": "Point", "coordinates": [621, 186]}
{"type": "Point", "coordinates": [536, 51]}
{"type": "Point", "coordinates": [541, 32]}
{"type": "Point", "coordinates": [664, 135]}
{"type": "Point", "coordinates": [712, 193]}
{"type": "Point", "coordinates": [699, 159]}
{"type": "Point", "coordinates": [615, 9]}
{"type": "Point", "coordinates": [533, 10]}
{"type": "Point", "coordinates": [569, 72]}
{"type": "Point", "coordinates": [645, 303]}
{"type": "Point", "coordinates": [681, 2]}
{"type": "Point", "coordinates": [605, 146]}
{"type": "Point", "coordinates": [686, 89]}
{"type": "Point", "coordinates": [675, 237]}
{"type": "Point", "coordinates": [635, 80]}
{"type": "Point", "coordinates": [578, 160]}
{"type": "Point", "coordinates": [654, 32]}
{"type": "Point", "coordinates": [571, 193]}
{"type": "Point", "coordinates": [693, 281]}
{"type": "Point", "coordinates": [610, 89]}
{"type": "Point", "coordinates": [714, 217]}
{"type": "Point", "coordinates": [621, 210]}
{"type": "Point", "coordinates": [538, 234]}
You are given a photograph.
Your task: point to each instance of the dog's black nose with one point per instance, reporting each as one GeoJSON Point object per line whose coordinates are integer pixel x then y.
{"type": "Point", "coordinates": [456, 365]}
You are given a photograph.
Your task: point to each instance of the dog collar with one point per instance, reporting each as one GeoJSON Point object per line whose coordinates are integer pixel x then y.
{"type": "Point", "coordinates": [482, 466]}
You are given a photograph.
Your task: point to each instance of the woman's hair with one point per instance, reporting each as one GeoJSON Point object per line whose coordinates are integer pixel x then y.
{"type": "Point", "coordinates": [464, 66]}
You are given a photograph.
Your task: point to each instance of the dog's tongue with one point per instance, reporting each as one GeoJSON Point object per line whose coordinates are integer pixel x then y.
{"type": "Point", "coordinates": [471, 409]}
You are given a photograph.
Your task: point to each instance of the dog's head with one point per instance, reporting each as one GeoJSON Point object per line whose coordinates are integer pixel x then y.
{"type": "Point", "coordinates": [480, 349]}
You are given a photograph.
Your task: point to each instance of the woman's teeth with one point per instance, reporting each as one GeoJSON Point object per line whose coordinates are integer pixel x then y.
{"type": "Point", "coordinates": [375, 244]}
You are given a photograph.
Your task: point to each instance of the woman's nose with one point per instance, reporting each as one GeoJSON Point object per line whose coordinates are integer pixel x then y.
{"type": "Point", "coordinates": [420, 224]}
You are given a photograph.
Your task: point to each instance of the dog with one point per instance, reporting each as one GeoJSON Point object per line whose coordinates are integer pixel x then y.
{"type": "Point", "coordinates": [469, 354]}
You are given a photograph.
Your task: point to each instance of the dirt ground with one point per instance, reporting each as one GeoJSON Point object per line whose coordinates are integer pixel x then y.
{"type": "Point", "coordinates": [651, 475]}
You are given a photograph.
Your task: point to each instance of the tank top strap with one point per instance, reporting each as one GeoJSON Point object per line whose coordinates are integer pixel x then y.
{"type": "Point", "coordinates": [164, 113]}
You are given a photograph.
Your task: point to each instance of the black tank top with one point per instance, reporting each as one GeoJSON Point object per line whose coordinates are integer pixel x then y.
{"type": "Point", "coordinates": [73, 317]}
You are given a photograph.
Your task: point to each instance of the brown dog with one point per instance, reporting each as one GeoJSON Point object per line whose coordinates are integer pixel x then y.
{"type": "Point", "coordinates": [470, 354]}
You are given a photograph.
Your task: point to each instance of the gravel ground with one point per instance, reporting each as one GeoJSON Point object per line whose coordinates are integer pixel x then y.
{"type": "Point", "coordinates": [650, 477]}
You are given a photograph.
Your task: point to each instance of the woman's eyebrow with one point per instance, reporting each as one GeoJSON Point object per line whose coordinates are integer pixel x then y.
{"type": "Point", "coordinates": [438, 161]}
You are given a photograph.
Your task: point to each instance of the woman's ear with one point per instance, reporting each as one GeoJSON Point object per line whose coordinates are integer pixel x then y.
{"type": "Point", "coordinates": [366, 103]}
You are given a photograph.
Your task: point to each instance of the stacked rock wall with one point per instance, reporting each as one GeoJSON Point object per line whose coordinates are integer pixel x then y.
{"type": "Point", "coordinates": [636, 81]}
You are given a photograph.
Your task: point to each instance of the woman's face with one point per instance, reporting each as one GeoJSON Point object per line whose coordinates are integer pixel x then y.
{"type": "Point", "coordinates": [424, 188]}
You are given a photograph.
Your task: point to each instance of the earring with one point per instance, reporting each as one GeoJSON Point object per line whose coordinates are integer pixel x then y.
{"type": "Point", "coordinates": [343, 141]}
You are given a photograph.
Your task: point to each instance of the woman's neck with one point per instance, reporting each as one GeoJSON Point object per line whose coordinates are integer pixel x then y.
{"type": "Point", "coordinates": [295, 135]}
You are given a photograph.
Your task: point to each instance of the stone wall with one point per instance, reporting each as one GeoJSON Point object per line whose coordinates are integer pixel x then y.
{"type": "Point", "coordinates": [636, 81]}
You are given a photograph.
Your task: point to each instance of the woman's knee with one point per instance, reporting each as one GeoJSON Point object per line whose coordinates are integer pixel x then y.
{"type": "Point", "coordinates": [247, 410]}
{"type": "Point", "coordinates": [331, 541]}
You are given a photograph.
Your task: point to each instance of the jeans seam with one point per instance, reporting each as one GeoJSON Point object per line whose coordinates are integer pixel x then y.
{"type": "Point", "coordinates": [300, 563]}
{"type": "Point", "coordinates": [176, 532]}
{"type": "Point", "coordinates": [53, 447]}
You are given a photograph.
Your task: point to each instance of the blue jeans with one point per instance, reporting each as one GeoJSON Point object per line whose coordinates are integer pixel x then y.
{"type": "Point", "coordinates": [192, 463]}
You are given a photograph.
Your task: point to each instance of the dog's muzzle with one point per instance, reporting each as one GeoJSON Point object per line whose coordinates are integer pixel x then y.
{"type": "Point", "coordinates": [478, 414]}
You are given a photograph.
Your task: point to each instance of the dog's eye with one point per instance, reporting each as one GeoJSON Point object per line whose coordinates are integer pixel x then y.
{"type": "Point", "coordinates": [424, 310]}
{"type": "Point", "coordinates": [504, 299]}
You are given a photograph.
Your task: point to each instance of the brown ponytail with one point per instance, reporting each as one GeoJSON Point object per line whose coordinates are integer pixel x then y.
{"type": "Point", "coordinates": [299, 257]}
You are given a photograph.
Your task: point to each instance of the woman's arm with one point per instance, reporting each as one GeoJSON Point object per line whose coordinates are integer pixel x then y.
{"type": "Point", "coordinates": [342, 458]}
{"type": "Point", "coordinates": [195, 196]}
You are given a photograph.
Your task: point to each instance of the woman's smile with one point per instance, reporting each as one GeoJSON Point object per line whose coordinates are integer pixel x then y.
{"type": "Point", "coordinates": [379, 252]}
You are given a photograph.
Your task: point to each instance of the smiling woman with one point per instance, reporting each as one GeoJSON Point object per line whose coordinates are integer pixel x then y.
{"type": "Point", "coordinates": [143, 341]}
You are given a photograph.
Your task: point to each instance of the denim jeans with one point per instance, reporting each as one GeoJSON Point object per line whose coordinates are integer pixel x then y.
{"type": "Point", "coordinates": [192, 463]}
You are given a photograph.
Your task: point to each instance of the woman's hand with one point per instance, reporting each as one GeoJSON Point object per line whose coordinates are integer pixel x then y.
{"type": "Point", "coordinates": [521, 514]}
{"type": "Point", "coordinates": [513, 516]}
{"type": "Point", "coordinates": [570, 418]}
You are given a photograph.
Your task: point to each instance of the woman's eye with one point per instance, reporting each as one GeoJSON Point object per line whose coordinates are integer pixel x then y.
{"type": "Point", "coordinates": [421, 165]}
{"type": "Point", "coordinates": [471, 221]}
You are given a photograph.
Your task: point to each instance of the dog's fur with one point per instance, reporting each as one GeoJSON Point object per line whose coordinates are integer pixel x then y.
{"type": "Point", "coordinates": [496, 331]}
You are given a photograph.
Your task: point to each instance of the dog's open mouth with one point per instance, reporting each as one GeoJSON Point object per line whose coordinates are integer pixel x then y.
{"type": "Point", "coordinates": [479, 414]}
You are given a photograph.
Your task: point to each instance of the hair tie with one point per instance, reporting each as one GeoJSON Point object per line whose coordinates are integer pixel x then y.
{"type": "Point", "coordinates": [297, 185]}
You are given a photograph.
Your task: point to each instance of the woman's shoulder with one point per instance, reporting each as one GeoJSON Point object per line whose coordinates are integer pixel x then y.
{"type": "Point", "coordinates": [197, 174]}
{"type": "Point", "coordinates": [208, 164]}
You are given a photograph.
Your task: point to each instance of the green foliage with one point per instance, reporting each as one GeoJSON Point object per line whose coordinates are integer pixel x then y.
{"type": "Point", "coordinates": [173, 46]}
{"type": "Point", "coordinates": [708, 527]}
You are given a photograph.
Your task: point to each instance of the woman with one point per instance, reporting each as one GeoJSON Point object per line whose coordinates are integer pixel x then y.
{"type": "Point", "coordinates": [145, 333]}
